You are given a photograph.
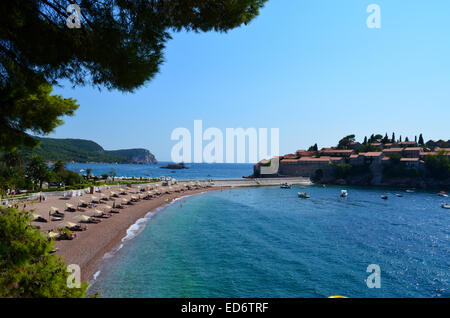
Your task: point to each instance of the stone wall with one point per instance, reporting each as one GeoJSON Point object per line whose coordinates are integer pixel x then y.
{"type": "Point", "coordinates": [305, 169]}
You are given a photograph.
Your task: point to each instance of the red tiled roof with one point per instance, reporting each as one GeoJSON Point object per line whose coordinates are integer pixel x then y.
{"type": "Point", "coordinates": [304, 153]}
{"type": "Point", "coordinates": [354, 156]}
{"type": "Point", "coordinates": [393, 150]}
{"type": "Point", "coordinates": [290, 156]}
{"type": "Point", "coordinates": [413, 149]}
{"type": "Point", "coordinates": [290, 160]}
{"type": "Point", "coordinates": [428, 153]}
{"type": "Point", "coordinates": [409, 159]}
{"type": "Point", "coordinates": [386, 159]}
{"type": "Point", "coordinates": [338, 151]}
{"type": "Point", "coordinates": [313, 159]}
{"type": "Point", "coordinates": [371, 154]}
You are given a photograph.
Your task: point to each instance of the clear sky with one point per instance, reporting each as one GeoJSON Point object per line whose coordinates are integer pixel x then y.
{"type": "Point", "coordinates": [311, 68]}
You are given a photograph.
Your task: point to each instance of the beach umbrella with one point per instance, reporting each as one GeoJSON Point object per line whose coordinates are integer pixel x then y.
{"type": "Point", "coordinates": [67, 224]}
{"type": "Point", "coordinates": [112, 193]}
{"type": "Point", "coordinates": [93, 197]}
{"type": "Point", "coordinates": [52, 234]}
{"type": "Point", "coordinates": [68, 205]}
{"type": "Point", "coordinates": [107, 207]}
{"type": "Point", "coordinates": [84, 218]}
{"type": "Point", "coordinates": [133, 197]}
{"type": "Point", "coordinates": [35, 216]}
{"type": "Point", "coordinates": [54, 209]}
{"type": "Point", "coordinates": [97, 212]}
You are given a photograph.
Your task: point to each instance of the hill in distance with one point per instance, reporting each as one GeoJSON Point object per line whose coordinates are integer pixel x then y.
{"type": "Point", "coordinates": [81, 150]}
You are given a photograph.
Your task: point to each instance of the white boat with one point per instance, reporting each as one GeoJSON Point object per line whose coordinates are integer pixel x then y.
{"type": "Point", "coordinates": [399, 195]}
{"type": "Point", "coordinates": [443, 194]}
{"type": "Point", "coordinates": [410, 191]}
{"type": "Point", "coordinates": [384, 197]}
{"type": "Point", "coordinates": [445, 205]}
{"type": "Point", "coordinates": [285, 186]}
{"type": "Point", "coordinates": [344, 193]}
{"type": "Point", "coordinates": [303, 195]}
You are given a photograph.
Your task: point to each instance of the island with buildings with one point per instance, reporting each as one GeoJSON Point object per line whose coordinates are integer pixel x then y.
{"type": "Point", "coordinates": [377, 161]}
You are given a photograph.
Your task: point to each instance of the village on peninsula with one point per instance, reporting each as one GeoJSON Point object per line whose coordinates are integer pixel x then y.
{"type": "Point", "coordinates": [377, 161]}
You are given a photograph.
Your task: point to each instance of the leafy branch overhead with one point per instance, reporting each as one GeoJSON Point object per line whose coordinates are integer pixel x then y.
{"type": "Point", "coordinates": [119, 46]}
{"type": "Point", "coordinates": [120, 43]}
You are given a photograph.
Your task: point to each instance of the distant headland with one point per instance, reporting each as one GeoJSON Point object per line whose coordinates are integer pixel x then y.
{"type": "Point", "coordinates": [81, 150]}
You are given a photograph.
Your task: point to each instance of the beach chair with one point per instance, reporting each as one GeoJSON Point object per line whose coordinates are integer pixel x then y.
{"type": "Point", "coordinates": [70, 208]}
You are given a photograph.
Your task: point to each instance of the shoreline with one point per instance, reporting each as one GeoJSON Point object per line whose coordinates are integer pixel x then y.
{"type": "Point", "coordinates": [90, 247]}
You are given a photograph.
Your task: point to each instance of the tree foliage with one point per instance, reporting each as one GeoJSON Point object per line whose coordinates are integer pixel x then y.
{"type": "Point", "coordinates": [27, 267]}
{"type": "Point", "coordinates": [119, 46]}
{"type": "Point", "coordinates": [345, 142]}
{"type": "Point", "coordinates": [439, 165]}
{"type": "Point", "coordinates": [120, 43]}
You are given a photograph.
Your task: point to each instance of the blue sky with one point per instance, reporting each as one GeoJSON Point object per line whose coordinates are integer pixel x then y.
{"type": "Point", "coordinates": [311, 68]}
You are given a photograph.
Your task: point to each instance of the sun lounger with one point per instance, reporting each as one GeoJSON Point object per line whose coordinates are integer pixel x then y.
{"type": "Point", "coordinates": [70, 208]}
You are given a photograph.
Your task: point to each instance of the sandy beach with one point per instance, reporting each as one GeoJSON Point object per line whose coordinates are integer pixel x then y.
{"type": "Point", "coordinates": [89, 246]}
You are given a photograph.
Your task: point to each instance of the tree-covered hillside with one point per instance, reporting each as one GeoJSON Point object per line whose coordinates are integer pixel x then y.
{"type": "Point", "coordinates": [80, 150]}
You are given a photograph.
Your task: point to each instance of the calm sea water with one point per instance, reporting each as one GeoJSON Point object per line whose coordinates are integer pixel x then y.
{"type": "Point", "coordinates": [195, 171]}
{"type": "Point", "coordinates": [267, 242]}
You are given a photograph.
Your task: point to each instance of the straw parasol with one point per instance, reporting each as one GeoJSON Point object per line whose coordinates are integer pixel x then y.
{"type": "Point", "coordinates": [54, 209]}
{"type": "Point", "coordinates": [52, 234]}
{"type": "Point", "coordinates": [107, 207]}
{"type": "Point", "coordinates": [68, 205]}
{"type": "Point", "coordinates": [67, 224]}
{"type": "Point", "coordinates": [84, 218]}
{"type": "Point", "coordinates": [97, 212]}
{"type": "Point", "coordinates": [35, 216]}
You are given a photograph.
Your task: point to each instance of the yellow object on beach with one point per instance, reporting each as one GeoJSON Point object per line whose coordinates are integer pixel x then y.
{"type": "Point", "coordinates": [83, 217]}
{"type": "Point", "coordinates": [67, 224]}
{"type": "Point", "coordinates": [52, 234]}
{"type": "Point", "coordinates": [337, 296]}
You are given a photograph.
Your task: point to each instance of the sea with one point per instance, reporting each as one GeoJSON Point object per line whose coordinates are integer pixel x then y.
{"type": "Point", "coordinates": [268, 242]}
{"type": "Point", "coordinates": [195, 171]}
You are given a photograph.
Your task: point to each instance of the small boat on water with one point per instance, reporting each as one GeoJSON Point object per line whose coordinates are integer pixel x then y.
{"type": "Point", "coordinates": [443, 194]}
{"type": "Point", "coordinates": [410, 191]}
{"type": "Point", "coordinates": [399, 195]}
{"type": "Point", "coordinates": [285, 186]}
{"type": "Point", "coordinates": [384, 197]}
{"type": "Point", "coordinates": [445, 205]}
{"type": "Point", "coordinates": [303, 195]}
{"type": "Point", "coordinates": [344, 193]}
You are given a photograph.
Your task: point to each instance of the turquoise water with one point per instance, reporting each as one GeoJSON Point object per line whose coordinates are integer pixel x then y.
{"type": "Point", "coordinates": [195, 171]}
{"type": "Point", "coordinates": [267, 242]}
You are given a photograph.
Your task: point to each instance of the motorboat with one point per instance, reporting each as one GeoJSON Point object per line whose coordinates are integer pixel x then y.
{"type": "Point", "coordinates": [410, 191]}
{"type": "Point", "coordinates": [384, 197]}
{"type": "Point", "coordinates": [344, 193]}
{"type": "Point", "coordinates": [443, 194]}
{"type": "Point", "coordinates": [399, 195]}
{"type": "Point", "coordinates": [303, 195]}
{"type": "Point", "coordinates": [285, 186]}
{"type": "Point", "coordinates": [445, 205]}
